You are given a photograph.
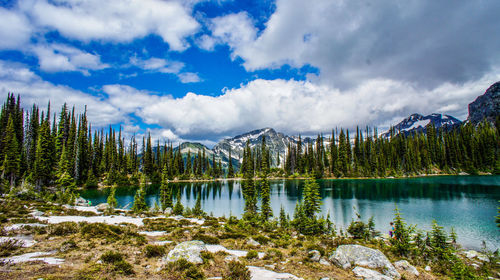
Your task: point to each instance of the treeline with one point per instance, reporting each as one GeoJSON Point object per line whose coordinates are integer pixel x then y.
{"type": "Point", "coordinates": [60, 152]}
{"type": "Point", "coordinates": [470, 148]}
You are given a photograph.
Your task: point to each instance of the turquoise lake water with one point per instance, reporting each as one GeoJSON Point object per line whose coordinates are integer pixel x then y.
{"type": "Point", "coordinates": [467, 203]}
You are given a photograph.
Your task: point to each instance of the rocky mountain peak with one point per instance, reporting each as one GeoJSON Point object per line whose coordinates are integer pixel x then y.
{"type": "Point", "coordinates": [486, 106]}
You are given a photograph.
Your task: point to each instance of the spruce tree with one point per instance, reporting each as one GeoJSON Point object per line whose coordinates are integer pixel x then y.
{"type": "Point", "coordinates": [178, 208]}
{"type": "Point", "coordinates": [140, 197]}
{"type": "Point", "coordinates": [112, 203]}
{"type": "Point", "coordinates": [312, 199]}
{"type": "Point", "coordinates": [230, 170]}
{"type": "Point", "coordinates": [11, 161]}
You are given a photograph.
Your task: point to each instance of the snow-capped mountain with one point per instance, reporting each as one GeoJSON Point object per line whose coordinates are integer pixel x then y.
{"type": "Point", "coordinates": [418, 123]}
{"type": "Point", "coordinates": [276, 142]}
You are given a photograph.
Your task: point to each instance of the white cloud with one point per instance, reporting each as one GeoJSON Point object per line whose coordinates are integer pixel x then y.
{"type": "Point", "coordinates": [58, 57]}
{"type": "Point", "coordinates": [235, 30]}
{"type": "Point", "coordinates": [158, 65]}
{"type": "Point", "coordinates": [189, 77]}
{"type": "Point", "coordinates": [297, 106]}
{"type": "Point", "coordinates": [427, 43]}
{"type": "Point", "coordinates": [15, 29]}
{"type": "Point", "coordinates": [115, 20]}
{"type": "Point", "coordinates": [18, 79]}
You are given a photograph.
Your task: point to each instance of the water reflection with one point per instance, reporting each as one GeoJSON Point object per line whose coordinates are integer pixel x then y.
{"type": "Point", "coordinates": [467, 203]}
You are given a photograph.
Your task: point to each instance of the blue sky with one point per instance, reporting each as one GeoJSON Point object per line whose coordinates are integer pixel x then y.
{"type": "Point", "coordinates": [199, 70]}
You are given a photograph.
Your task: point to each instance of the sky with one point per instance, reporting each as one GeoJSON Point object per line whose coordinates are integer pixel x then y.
{"type": "Point", "coordinates": [201, 70]}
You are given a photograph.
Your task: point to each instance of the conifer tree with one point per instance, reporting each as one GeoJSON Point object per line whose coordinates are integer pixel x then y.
{"type": "Point", "coordinates": [140, 197]}
{"type": "Point", "coordinates": [312, 199]}
{"type": "Point", "coordinates": [178, 208]}
{"type": "Point", "coordinates": [230, 170]}
{"type": "Point", "coordinates": [284, 223]}
{"type": "Point", "coordinates": [112, 203]}
{"type": "Point", "coordinates": [165, 190]}
{"type": "Point", "coordinates": [11, 161]}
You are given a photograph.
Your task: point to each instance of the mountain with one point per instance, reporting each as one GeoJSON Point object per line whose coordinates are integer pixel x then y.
{"type": "Point", "coordinates": [194, 147]}
{"type": "Point", "coordinates": [486, 106]}
{"type": "Point", "coordinates": [418, 123]}
{"type": "Point", "coordinates": [276, 142]}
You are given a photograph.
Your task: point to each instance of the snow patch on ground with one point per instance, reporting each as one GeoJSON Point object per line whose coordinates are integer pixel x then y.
{"type": "Point", "coordinates": [111, 220]}
{"type": "Point", "coordinates": [31, 257]}
{"type": "Point", "coordinates": [20, 226]}
{"type": "Point", "coordinates": [153, 233]}
{"type": "Point", "coordinates": [192, 220]}
{"type": "Point", "coordinates": [24, 240]}
{"type": "Point", "coordinates": [161, 243]}
{"type": "Point", "coordinates": [259, 273]}
{"type": "Point", "coordinates": [238, 253]}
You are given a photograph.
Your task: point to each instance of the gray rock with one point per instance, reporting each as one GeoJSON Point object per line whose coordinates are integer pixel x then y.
{"type": "Point", "coordinates": [486, 106]}
{"type": "Point", "coordinates": [167, 211]}
{"type": "Point", "coordinates": [259, 273]}
{"type": "Point", "coordinates": [230, 258]}
{"type": "Point", "coordinates": [188, 250]}
{"type": "Point", "coordinates": [81, 201]}
{"type": "Point", "coordinates": [471, 254]}
{"type": "Point", "coordinates": [253, 243]}
{"type": "Point", "coordinates": [314, 255]}
{"type": "Point", "coordinates": [427, 268]}
{"type": "Point", "coordinates": [324, 261]}
{"type": "Point", "coordinates": [347, 255]}
{"type": "Point", "coordinates": [404, 265]}
{"type": "Point", "coordinates": [369, 274]}
{"type": "Point", "coordinates": [37, 213]}
{"type": "Point", "coordinates": [102, 207]}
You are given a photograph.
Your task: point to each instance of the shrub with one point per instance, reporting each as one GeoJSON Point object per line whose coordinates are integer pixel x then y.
{"type": "Point", "coordinates": [63, 229]}
{"type": "Point", "coordinates": [99, 230]}
{"type": "Point", "coordinates": [208, 239]}
{"type": "Point", "coordinates": [261, 239]}
{"type": "Point", "coordinates": [182, 269]}
{"type": "Point", "coordinates": [236, 271]}
{"type": "Point", "coordinates": [111, 257]}
{"type": "Point", "coordinates": [206, 256]}
{"type": "Point", "coordinates": [154, 251]}
{"type": "Point", "coordinates": [8, 246]}
{"type": "Point", "coordinates": [123, 267]}
{"type": "Point", "coordinates": [252, 254]}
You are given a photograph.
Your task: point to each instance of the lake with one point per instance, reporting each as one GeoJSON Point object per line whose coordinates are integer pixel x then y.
{"type": "Point", "coordinates": [467, 203]}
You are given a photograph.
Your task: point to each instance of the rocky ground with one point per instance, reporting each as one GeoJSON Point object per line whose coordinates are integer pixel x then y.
{"type": "Point", "coordinates": [48, 241]}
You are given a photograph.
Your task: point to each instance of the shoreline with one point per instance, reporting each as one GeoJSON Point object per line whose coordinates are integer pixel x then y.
{"type": "Point", "coordinates": [305, 178]}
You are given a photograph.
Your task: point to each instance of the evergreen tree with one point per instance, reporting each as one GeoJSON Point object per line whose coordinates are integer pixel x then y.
{"type": "Point", "coordinates": [165, 190]}
{"type": "Point", "coordinates": [112, 203]}
{"type": "Point", "coordinates": [230, 170]}
{"type": "Point", "coordinates": [284, 223]}
{"type": "Point", "coordinates": [178, 208]}
{"type": "Point", "coordinates": [140, 197]}
{"type": "Point", "coordinates": [11, 161]}
{"type": "Point", "coordinates": [312, 199]}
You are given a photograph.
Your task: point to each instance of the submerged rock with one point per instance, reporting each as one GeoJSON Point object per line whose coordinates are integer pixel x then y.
{"type": "Point", "coordinates": [188, 250]}
{"type": "Point", "coordinates": [369, 274]}
{"type": "Point", "coordinates": [347, 255]}
{"type": "Point", "coordinates": [404, 265]}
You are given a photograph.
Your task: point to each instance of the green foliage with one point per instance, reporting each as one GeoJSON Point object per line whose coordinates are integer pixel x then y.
{"type": "Point", "coordinates": [197, 211]}
{"type": "Point", "coordinates": [236, 271]}
{"type": "Point", "coordinates": [165, 190]}
{"type": "Point", "coordinates": [497, 218]}
{"type": "Point", "coordinates": [402, 235]}
{"type": "Point", "coordinates": [207, 239]}
{"type": "Point", "coordinates": [62, 229]}
{"type": "Point", "coordinates": [117, 261]}
{"type": "Point", "coordinates": [178, 208]}
{"type": "Point", "coordinates": [182, 269]}
{"type": "Point", "coordinates": [111, 257]}
{"type": "Point", "coordinates": [252, 254]}
{"type": "Point", "coordinates": [154, 251]}
{"type": "Point", "coordinates": [312, 199]}
{"type": "Point", "coordinates": [284, 220]}
{"type": "Point", "coordinates": [140, 197]}
{"type": "Point", "coordinates": [112, 198]}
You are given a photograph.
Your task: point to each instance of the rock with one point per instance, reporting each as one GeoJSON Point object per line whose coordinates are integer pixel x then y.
{"type": "Point", "coordinates": [81, 201]}
{"type": "Point", "coordinates": [324, 261]}
{"type": "Point", "coordinates": [259, 273]}
{"type": "Point", "coordinates": [167, 211]}
{"type": "Point", "coordinates": [325, 278]}
{"type": "Point", "coordinates": [230, 258]}
{"type": "Point", "coordinates": [347, 255]}
{"type": "Point", "coordinates": [486, 106]}
{"type": "Point", "coordinates": [37, 213]}
{"type": "Point", "coordinates": [314, 255]}
{"type": "Point", "coordinates": [253, 243]}
{"type": "Point", "coordinates": [270, 266]}
{"type": "Point", "coordinates": [366, 273]}
{"type": "Point", "coordinates": [471, 254]}
{"type": "Point", "coordinates": [404, 265]}
{"type": "Point", "coordinates": [188, 250]}
{"type": "Point", "coordinates": [427, 268]}
{"type": "Point", "coordinates": [102, 207]}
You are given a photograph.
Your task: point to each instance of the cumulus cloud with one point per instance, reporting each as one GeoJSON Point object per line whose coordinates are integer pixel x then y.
{"type": "Point", "coordinates": [296, 106]}
{"type": "Point", "coordinates": [165, 66]}
{"type": "Point", "coordinates": [58, 57]}
{"type": "Point", "coordinates": [427, 43]}
{"type": "Point", "coordinates": [115, 20]}
{"type": "Point", "coordinates": [15, 29]}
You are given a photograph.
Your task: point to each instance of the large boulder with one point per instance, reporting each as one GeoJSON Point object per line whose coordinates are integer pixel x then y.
{"type": "Point", "coordinates": [188, 250]}
{"type": "Point", "coordinates": [486, 106]}
{"type": "Point", "coordinates": [348, 255]}
{"type": "Point", "coordinates": [369, 274]}
{"type": "Point", "coordinates": [259, 273]}
{"type": "Point", "coordinates": [405, 266]}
